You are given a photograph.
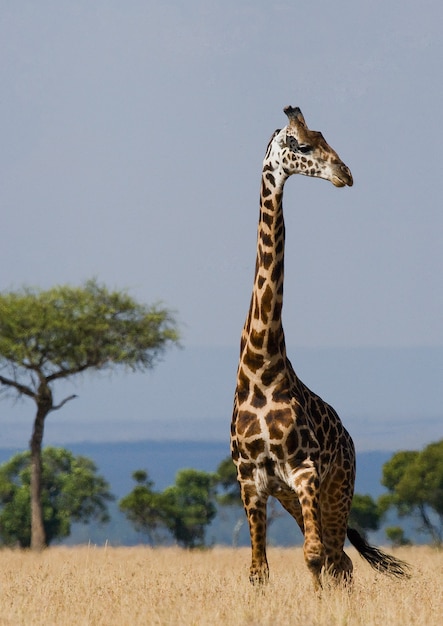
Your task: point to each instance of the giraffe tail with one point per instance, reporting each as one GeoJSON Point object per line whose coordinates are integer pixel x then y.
{"type": "Point", "coordinates": [380, 561]}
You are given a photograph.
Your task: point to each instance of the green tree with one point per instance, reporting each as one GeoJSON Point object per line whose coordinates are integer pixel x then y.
{"type": "Point", "coordinates": [184, 509]}
{"type": "Point", "coordinates": [226, 478]}
{"type": "Point", "coordinates": [396, 536]}
{"type": "Point", "coordinates": [415, 487]}
{"type": "Point", "coordinates": [71, 491]}
{"type": "Point", "coordinates": [365, 514]}
{"type": "Point", "coordinates": [188, 507]}
{"type": "Point", "coordinates": [143, 506]}
{"type": "Point", "coordinates": [46, 336]}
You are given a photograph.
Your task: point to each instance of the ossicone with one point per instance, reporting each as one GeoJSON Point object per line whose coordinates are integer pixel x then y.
{"type": "Point", "coordinates": [294, 115]}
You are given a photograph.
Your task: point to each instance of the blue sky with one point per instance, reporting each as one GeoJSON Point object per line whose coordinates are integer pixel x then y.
{"type": "Point", "coordinates": [132, 140]}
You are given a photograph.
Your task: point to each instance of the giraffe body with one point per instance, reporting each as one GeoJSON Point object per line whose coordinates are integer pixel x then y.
{"type": "Point", "coordinates": [286, 441]}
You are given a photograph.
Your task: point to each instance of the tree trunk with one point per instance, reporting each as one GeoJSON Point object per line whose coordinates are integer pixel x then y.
{"type": "Point", "coordinates": [44, 405]}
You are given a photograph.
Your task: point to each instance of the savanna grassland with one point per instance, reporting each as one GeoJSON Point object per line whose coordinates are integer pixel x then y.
{"type": "Point", "coordinates": [168, 586]}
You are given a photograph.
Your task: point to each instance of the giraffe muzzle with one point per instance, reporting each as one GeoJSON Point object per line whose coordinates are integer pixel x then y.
{"type": "Point", "coordinates": [342, 176]}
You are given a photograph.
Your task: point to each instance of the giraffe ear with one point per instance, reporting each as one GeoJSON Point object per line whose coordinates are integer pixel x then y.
{"type": "Point", "coordinates": [281, 137]}
{"type": "Point", "coordinates": [295, 116]}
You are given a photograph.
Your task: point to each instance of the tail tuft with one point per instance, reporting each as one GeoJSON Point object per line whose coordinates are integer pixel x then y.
{"type": "Point", "coordinates": [380, 561]}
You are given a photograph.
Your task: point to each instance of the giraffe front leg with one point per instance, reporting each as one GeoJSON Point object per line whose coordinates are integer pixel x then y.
{"type": "Point", "coordinates": [255, 508]}
{"type": "Point", "coordinates": [259, 570]}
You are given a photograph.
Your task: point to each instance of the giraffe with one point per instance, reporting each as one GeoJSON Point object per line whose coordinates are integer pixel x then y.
{"type": "Point", "coordinates": [286, 441]}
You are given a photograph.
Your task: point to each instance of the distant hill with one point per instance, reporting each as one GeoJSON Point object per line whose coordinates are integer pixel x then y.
{"type": "Point", "coordinates": [162, 460]}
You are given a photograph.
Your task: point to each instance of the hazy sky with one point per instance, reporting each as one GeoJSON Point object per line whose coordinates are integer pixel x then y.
{"type": "Point", "coordinates": [132, 137]}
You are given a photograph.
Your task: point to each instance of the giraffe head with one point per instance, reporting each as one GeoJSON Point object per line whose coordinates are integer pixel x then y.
{"type": "Point", "coordinates": [299, 150]}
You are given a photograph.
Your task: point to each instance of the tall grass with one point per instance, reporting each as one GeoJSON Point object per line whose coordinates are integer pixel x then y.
{"type": "Point", "coordinates": [169, 586]}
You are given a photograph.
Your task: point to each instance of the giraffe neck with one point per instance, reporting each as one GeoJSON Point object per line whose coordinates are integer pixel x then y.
{"type": "Point", "coordinates": [263, 341]}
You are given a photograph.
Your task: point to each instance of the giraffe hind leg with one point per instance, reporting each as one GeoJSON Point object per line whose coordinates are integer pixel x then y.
{"type": "Point", "coordinates": [338, 565]}
{"type": "Point", "coordinates": [307, 488]}
{"type": "Point", "coordinates": [335, 506]}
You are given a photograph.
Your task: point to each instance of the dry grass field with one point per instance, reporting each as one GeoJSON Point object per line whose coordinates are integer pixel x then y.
{"type": "Point", "coordinates": [168, 586]}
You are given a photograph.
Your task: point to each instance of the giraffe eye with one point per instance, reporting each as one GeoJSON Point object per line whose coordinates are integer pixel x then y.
{"type": "Point", "coordinates": [305, 149]}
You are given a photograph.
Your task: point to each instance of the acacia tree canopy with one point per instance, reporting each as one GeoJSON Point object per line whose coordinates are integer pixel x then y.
{"type": "Point", "coordinates": [64, 331]}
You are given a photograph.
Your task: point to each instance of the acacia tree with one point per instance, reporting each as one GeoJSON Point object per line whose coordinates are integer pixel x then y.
{"type": "Point", "coordinates": [46, 336]}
